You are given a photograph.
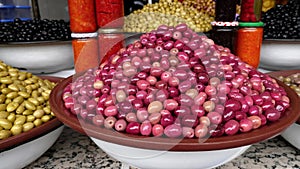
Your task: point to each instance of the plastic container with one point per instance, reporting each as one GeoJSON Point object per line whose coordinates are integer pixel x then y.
{"type": "Point", "coordinates": [6, 2]}
{"type": "Point", "coordinates": [248, 42]}
{"type": "Point", "coordinates": [23, 12]}
{"type": "Point", "coordinates": [223, 33]}
{"type": "Point", "coordinates": [251, 10]}
{"type": "Point", "coordinates": [82, 16]}
{"type": "Point", "coordinates": [21, 2]}
{"type": "Point", "coordinates": [7, 12]}
{"type": "Point", "coordinates": [110, 13]}
{"type": "Point", "coordinates": [85, 49]}
{"type": "Point", "coordinates": [225, 10]}
{"type": "Point", "coordinates": [110, 42]}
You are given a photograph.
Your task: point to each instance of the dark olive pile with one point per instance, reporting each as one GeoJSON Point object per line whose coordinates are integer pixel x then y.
{"type": "Point", "coordinates": [283, 21]}
{"type": "Point", "coordinates": [34, 30]}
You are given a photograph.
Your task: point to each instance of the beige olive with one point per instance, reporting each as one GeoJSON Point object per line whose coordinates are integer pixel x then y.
{"type": "Point", "coordinates": [28, 126]}
{"type": "Point", "coordinates": [16, 129]}
{"type": "Point", "coordinates": [37, 122]}
{"type": "Point", "coordinates": [27, 112]}
{"type": "Point", "coordinates": [24, 94]}
{"type": "Point", "coordinates": [46, 118]}
{"type": "Point", "coordinates": [120, 95]}
{"type": "Point", "coordinates": [3, 73]}
{"type": "Point", "coordinates": [6, 90]}
{"type": "Point", "coordinates": [6, 124]}
{"type": "Point", "coordinates": [12, 106]}
{"type": "Point", "coordinates": [38, 114]}
{"type": "Point", "coordinates": [4, 134]}
{"type": "Point", "coordinates": [20, 120]}
{"type": "Point", "coordinates": [155, 107]}
{"type": "Point", "coordinates": [2, 98]}
{"type": "Point", "coordinates": [3, 114]}
{"type": "Point", "coordinates": [30, 118]}
{"type": "Point", "coordinates": [18, 99]}
{"type": "Point", "coordinates": [13, 87]}
{"type": "Point", "coordinates": [29, 105]}
{"type": "Point", "coordinates": [20, 109]}
{"type": "Point", "coordinates": [11, 117]}
{"type": "Point", "coordinates": [2, 107]}
{"type": "Point", "coordinates": [34, 101]}
{"type": "Point", "coordinates": [6, 80]}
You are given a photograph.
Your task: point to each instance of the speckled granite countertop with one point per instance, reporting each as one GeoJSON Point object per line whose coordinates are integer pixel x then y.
{"type": "Point", "coordinates": [75, 151]}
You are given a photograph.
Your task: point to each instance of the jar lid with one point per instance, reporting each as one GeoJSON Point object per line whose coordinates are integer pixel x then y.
{"type": "Point", "coordinates": [251, 24]}
{"type": "Point", "coordinates": [84, 35]}
{"type": "Point", "coordinates": [110, 30]}
{"type": "Point", "coordinates": [217, 23]}
{"type": "Point", "coordinates": [23, 7]}
{"type": "Point", "coordinates": [6, 20]}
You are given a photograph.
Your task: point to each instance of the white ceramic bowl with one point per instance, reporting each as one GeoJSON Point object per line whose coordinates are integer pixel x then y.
{"type": "Point", "coordinates": [22, 155]}
{"type": "Point", "coordinates": [38, 57]}
{"type": "Point", "coordinates": [291, 135]}
{"type": "Point", "coordinates": [280, 54]}
{"type": "Point", "coordinates": [159, 159]}
{"type": "Point", "coordinates": [20, 150]}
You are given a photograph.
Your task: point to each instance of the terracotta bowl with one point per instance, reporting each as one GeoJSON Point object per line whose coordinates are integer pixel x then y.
{"type": "Point", "coordinates": [291, 134]}
{"type": "Point", "coordinates": [27, 147]}
{"type": "Point", "coordinates": [153, 152]}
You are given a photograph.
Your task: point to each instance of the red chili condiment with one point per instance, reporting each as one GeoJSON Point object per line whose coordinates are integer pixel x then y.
{"type": "Point", "coordinates": [110, 13]}
{"type": "Point", "coordinates": [85, 49]}
{"type": "Point", "coordinates": [110, 42]}
{"type": "Point", "coordinates": [248, 43]}
{"type": "Point", "coordinates": [82, 16]}
{"type": "Point", "coordinates": [251, 10]}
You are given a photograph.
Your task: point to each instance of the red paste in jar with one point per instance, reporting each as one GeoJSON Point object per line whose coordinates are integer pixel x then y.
{"type": "Point", "coordinates": [82, 16]}
{"type": "Point", "coordinates": [110, 13]}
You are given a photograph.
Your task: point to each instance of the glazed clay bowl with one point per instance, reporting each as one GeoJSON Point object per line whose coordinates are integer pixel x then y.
{"type": "Point", "coordinates": [159, 152]}
{"type": "Point", "coordinates": [291, 134]}
{"type": "Point", "coordinates": [20, 150]}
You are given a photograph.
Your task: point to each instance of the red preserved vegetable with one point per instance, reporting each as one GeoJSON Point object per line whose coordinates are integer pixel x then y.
{"type": "Point", "coordinates": [82, 16]}
{"type": "Point", "coordinates": [110, 13]}
{"type": "Point", "coordinates": [85, 51]}
{"type": "Point", "coordinates": [251, 10]}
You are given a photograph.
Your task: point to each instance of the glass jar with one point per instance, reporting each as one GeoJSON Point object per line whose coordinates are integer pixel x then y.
{"type": "Point", "coordinates": [225, 10]}
{"type": "Point", "coordinates": [110, 13]}
{"type": "Point", "coordinates": [85, 49]}
{"type": "Point", "coordinates": [223, 33]}
{"type": "Point", "coordinates": [110, 42]}
{"type": "Point", "coordinates": [251, 10]}
{"type": "Point", "coordinates": [248, 42]}
{"type": "Point", "coordinates": [82, 16]}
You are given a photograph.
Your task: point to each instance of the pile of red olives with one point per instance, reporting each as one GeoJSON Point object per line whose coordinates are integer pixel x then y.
{"type": "Point", "coordinates": [175, 83]}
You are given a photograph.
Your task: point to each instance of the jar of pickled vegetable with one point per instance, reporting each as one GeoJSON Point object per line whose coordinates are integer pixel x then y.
{"type": "Point", "coordinates": [225, 10]}
{"type": "Point", "coordinates": [110, 13]}
{"type": "Point", "coordinates": [82, 16]}
{"type": "Point", "coordinates": [251, 11]}
{"type": "Point", "coordinates": [110, 42]}
{"type": "Point", "coordinates": [85, 49]}
{"type": "Point", "coordinates": [223, 33]}
{"type": "Point", "coordinates": [248, 42]}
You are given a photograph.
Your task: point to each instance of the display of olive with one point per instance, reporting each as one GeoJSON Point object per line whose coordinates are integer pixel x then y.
{"type": "Point", "coordinates": [282, 21]}
{"type": "Point", "coordinates": [198, 90]}
{"type": "Point", "coordinates": [167, 12]}
{"type": "Point", "coordinates": [23, 101]}
{"type": "Point", "coordinates": [34, 30]}
{"type": "Point", "coordinates": [204, 6]}
{"type": "Point", "coordinates": [293, 81]}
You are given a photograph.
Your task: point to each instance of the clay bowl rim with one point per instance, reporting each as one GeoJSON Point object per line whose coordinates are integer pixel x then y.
{"type": "Point", "coordinates": [15, 141]}
{"type": "Point", "coordinates": [276, 74]}
{"type": "Point", "coordinates": [161, 143]}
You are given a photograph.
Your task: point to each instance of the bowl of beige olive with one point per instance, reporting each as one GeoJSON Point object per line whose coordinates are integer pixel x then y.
{"type": "Point", "coordinates": [28, 127]}
{"type": "Point", "coordinates": [292, 79]}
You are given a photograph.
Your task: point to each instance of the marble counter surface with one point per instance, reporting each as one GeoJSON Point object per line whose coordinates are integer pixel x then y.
{"type": "Point", "coordinates": [76, 151]}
